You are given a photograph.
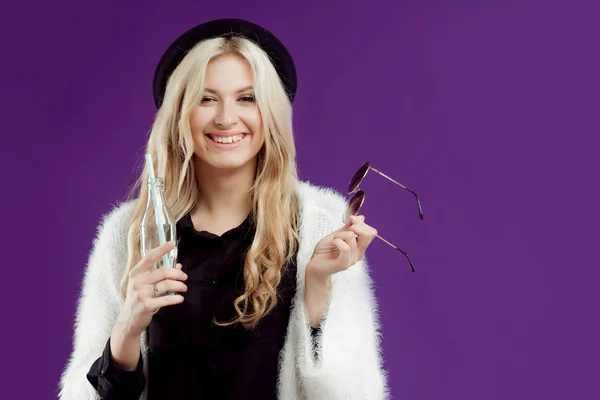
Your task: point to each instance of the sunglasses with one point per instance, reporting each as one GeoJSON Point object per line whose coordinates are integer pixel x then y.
{"type": "Point", "coordinates": [358, 199]}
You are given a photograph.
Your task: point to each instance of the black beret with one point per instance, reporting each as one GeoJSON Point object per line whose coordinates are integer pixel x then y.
{"type": "Point", "coordinates": [279, 55]}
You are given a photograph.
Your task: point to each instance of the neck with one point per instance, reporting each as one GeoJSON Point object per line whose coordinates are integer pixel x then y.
{"type": "Point", "coordinates": [224, 192]}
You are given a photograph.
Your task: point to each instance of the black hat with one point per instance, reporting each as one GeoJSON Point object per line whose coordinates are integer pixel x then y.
{"type": "Point", "coordinates": [279, 55]}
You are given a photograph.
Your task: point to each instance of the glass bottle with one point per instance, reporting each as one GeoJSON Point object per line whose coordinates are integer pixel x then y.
{"type": "Point", "coordinates": [151, 231]}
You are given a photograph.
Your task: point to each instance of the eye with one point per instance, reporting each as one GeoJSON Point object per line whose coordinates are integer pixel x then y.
{"type": "Point", "coordinates": [207, 99]}
{"type": "Point", "coordinates": [248, 99]}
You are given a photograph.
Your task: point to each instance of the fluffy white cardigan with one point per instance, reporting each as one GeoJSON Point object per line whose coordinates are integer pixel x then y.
{"type": "Point", "coordinates": [349, 365]}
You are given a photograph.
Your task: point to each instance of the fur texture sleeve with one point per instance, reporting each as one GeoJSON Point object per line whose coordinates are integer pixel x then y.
{"type": "Point", "coordinates": [98, 304]}
{"type": "Point", "coordinates": [349, 365]}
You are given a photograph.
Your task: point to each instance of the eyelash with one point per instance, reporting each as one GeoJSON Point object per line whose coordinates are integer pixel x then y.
{"type": "Point", "coordinates": [246, 99]}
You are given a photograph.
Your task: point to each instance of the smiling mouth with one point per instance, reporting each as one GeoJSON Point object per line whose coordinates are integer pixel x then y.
{"type": "Point", "coordinates": [227, 139]}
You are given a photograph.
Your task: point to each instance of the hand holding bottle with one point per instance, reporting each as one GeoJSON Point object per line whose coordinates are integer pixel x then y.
{"type": "Point", "coordinates": [144, 297]}
{"type": "Point", "coordinates": [145, 291]}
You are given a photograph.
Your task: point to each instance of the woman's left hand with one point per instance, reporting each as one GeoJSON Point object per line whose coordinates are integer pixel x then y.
{"type": "Point", "coordinates": [343, 248]}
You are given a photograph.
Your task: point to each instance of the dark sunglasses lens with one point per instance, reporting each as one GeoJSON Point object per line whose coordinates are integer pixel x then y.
{"type": "Point", "coordinates": [358, 177]}
{"type": "Point", "coordinates": [356, 202]}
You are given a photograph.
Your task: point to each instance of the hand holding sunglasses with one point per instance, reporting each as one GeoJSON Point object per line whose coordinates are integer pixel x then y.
{"type": "Point", "coordinates": [358, 199]}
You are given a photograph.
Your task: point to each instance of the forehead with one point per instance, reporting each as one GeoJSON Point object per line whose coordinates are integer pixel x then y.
{"type": "Point", "coordinates": [228, 72]}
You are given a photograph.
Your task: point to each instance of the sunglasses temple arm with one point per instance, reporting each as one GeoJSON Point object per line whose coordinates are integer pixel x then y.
{"type": "Point", "coordinates": [401, 251]}
{"type": "Point", "coordinates": [387, 177]}
{"type": "Point", "coordinates": [404, 187]}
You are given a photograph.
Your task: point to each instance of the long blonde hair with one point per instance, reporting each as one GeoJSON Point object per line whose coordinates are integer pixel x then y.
{"type": "Point", "coordinates": [273, 196]}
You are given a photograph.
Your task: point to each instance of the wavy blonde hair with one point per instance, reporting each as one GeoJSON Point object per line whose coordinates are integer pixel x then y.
{"type": "Point", "coordinates": [273, 196]}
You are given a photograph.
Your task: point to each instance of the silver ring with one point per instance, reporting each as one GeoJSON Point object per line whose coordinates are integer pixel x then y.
{"type": "Point", "coordinates": [156, 293]}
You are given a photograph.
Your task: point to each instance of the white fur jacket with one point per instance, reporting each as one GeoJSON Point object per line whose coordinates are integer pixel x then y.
{"type": "Point", "coordinates": [349, 365]}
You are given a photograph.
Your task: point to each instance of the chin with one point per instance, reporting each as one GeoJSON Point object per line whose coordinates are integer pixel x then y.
{"type": "Point", "coordinates": [228, 163]}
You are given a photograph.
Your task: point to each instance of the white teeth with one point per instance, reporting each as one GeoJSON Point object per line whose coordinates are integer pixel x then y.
{"type": "Point", "coordinates": [229, 139]}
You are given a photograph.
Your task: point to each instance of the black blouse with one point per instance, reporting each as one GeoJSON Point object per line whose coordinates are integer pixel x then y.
{"type": "Point", "coordinates": [189, 357]}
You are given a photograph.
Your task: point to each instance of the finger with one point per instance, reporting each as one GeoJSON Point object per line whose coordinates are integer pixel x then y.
{"type": "Point", "coordinates": [168, 285]}
{"type": "Point", "coordinates": [149, 259]}
{"type": "Point", "coordinates": [357, 218]}
{"type": "Point", "coordinates": [353, 219]}
{"type": "Point", "coordinates": [350, 239]}
{"type": "Point", "coordinates": [344, 249]}
{"type": "Point", "coordinates": [152, 304]}
{"type": "Point", "coordinates": [347, 223]}
{"type": "Point", "coordinates": [365, 235]}
{"type": "Point", "coordinates": [348, 236]}
{"type": "Point", "coordinates": [162, 274]}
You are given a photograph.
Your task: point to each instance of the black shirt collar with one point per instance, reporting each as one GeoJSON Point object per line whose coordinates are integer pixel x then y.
{"type": "Point", "coordinates": [185, 224]}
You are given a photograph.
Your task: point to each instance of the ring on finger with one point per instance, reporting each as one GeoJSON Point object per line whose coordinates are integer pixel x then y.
{"type": "Point", "coordinates": [156, 292]}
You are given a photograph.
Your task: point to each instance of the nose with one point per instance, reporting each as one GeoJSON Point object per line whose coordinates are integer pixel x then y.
{"type": "Point", "coordinates": [226, 116]}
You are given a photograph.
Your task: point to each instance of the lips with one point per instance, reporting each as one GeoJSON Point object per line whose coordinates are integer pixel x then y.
{"type": "Point", "coordinates": [227, 139]}
{"type": "Point", "coordinates": [227, 134]}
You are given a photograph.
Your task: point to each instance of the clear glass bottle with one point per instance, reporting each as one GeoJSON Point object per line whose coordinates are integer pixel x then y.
{"type": "Point", "coordinates": [151, 231]}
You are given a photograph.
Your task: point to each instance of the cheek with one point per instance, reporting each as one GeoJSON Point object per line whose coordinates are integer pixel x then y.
{"type": "Point", "coordinates": [258, 137]}
{"type": "Point", "coordinates": [199, 141]}
{"type": "Point", "coordinates": [199, 118]}
{"type": "Point", "coordinates": [254, 122]}
{"type": "Point", "coordinates": [198, 123]}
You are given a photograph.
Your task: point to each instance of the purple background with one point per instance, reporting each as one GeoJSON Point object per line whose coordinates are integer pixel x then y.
{"type": "Point", "coordinates": [488, 109]}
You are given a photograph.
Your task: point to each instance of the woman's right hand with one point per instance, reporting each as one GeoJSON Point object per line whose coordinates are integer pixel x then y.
{"type": "Point", "coordinates": [141, 302]}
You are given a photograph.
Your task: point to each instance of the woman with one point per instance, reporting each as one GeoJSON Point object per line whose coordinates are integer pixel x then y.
{"type": "Point", "coordinates": [273, 295]}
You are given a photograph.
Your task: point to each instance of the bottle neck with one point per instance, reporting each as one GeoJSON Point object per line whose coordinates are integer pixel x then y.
{"type": "Point", "coordinates": [158, 183]}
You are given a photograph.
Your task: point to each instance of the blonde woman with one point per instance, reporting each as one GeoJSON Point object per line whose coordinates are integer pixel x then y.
{"type": "Point", "coordinates": [273, 297]}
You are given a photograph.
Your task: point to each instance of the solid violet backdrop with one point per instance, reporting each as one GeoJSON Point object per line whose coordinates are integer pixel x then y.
{"type": "Point", "coordinates": [488, 109]}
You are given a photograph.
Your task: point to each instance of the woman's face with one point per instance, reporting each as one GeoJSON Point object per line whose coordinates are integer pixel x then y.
{"type": "Point", "coordinates": [226, 125]}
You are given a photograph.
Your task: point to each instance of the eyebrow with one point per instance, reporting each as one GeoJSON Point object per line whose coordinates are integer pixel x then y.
{"type": "Point", "coordinates": [239, 91]}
